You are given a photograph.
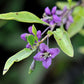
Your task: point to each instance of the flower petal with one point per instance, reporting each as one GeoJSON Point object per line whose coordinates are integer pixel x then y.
{"type": "Point", "coordinates": [70, 18]}
{"type": "Point", "coordinates": [56, 19]}
{"type": "Point", "coordinates": [47, 11]}
{"type": "Point", "coordinates": [39, 34]}
{"type": "Point", "coordinates": [43, 47]}
{"type": "Point", "coordinates": [47, 63]}
{"type": "Point", "coordinates": [64, 20]}
{"type": "Point", "coordinates": [30, 29]}
{"type": "Point", "coordinates": [67, 24]}
{"type": "Point", "coordinates": [65, 9]}
{"type": "Point", "coordinates": [59, 12]}
{"type": "Point", "coordinates": [53, 10]}
{"type": "Point", "coordinates": [28, 46]}
{"type": "Point", "coordinates": [54, 52]}
{"type": "Point", "coordinates": [45, 20]}
{"type": "Point", "coordinates": [23, 36]}
{"type": "Point", "coordinates": [38, 57]}
{"type": "Point", "coordinates": [51, 22]}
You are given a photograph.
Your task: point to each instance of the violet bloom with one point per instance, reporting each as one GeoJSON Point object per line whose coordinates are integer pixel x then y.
{"type": "Point", "coordinates": [24, 35]}
{"type": "Point", "coordinates": [66, 20]}
{"type": "Point", "coordinates": [50, 16]}
{"type": "Point", "coordinates": [46, 55]}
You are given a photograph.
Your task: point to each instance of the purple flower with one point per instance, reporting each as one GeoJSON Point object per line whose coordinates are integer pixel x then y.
{"type": "Point", "coordinates": [51, 22]}
{"type": "Point", "coordinates": [24, 36]}
{"type": "Point", "coordinates": [30, 29]}
{"type": "Point", "coordinates": [56, 19]}
{"type": "Point", "coordinates": [50, 16]}
{"type": "Point", "coordinates": [67, 24]}
{"type": "Point", "coordinates": [28, 46]}
{"type": "Point", "coordinates": [66, 20]}
{"type": "Point", "coordinates": [53, 10]}
{"type": "Point", "coordinates": [59, 12]}
{"type": "Point", "coordinates": [39, 34]}
{"type": "Point", "coordinates": [46, 55]}
{"type": "Point", "coordinates": [69, 21]}
{"type": "Point", "coordinates": [70, 18]}
{"type": "Point", "coordinates": [47, 11]}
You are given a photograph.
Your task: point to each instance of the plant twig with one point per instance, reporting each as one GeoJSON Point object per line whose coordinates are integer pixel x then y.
{"type": "Point", "coordinates": [45, 30]}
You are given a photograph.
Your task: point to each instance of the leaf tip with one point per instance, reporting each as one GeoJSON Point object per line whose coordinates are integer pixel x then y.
{"type": "Point", "coordinates": [30, 71]}
{"type": "Point", "coordinates": [72, 54]}
{"type": "Point", "coordinates": [4, 71]}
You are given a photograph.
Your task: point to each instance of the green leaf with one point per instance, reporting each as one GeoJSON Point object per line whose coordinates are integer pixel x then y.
{"type": "Point", "coordinates": [22, 16]}
{"type": "Point", "coordinates": [49, 32]}
{"type": "Point", "coordinates": [61, 4]}
{"type": "Point", "coordinates": [35, 32]}
{"type": "Point", "coordinates": [16, 58]}
{"type": "Point", "coordinates": [2, 23]}
{"type": "Point", "coordinates": [31, 40]}
{"type": "Point", "coordinates": [69, 1]}
{"type": "Point", "coordinates": [81, 32]}
{"type": "Point", "coordinates": [76, 10]}
{"type": "Point", "coordinates": [30, 71]}
{"type": "Point", "coordinates": [64, 42]}
{"type": "Point", "coordinates": [78, 23]}
{"type": "Point", "coordinates": [81, 50]}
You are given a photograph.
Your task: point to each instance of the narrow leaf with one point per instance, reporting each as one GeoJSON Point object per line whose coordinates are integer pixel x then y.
{"type": "Point", "coordinates": [22, 16]}
{"type": "Point", "coordinates": [64, 42]}
{"type": "Point", "coordinates": [78, 23]}
{"type": "Point", "coordinates": [16, 58]}
{"type": "Point", "coordinates": [31, 40]}
{"type": "Point", "coordinates": [34, 30]}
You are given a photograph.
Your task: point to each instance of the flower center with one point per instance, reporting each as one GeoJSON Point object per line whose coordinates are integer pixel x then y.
{"type": "Point", "coordinates": [46, 55]}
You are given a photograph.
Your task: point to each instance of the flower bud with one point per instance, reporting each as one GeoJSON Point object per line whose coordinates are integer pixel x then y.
{"type": "Point", "coordinates": [47, 11]}
{"type": "Point", "coordinates": [23, 36]}
{"type": "Point", "coordinates": [30, 29]}
{"type": "Point", "coordinates": [51, 22]}
{"type": "Point", "coordinates": [53, 10]}
{"type": "Point", "coordinates": [56, 19]}
{"type": "Point", "coordinates": [67, 24]}
{"type": "Point", "coordinates": [32, 67]}
{"type": "Point", "coordinates": [39, 34]}
{"type": "Point", "coordinates": [70, 18]}
{"type": "Point", "coordinates": [28, 46]}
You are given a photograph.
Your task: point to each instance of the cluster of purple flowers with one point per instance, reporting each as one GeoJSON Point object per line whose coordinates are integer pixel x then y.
{"type": "Point", "coordinates": [25, 35]}
{"type": "Point", "coordinates": [66, 17]}
{"type": "Point", "coordinates": [57, 16]}
{"type": "Point", "coordinates": [46, 55]}
{"type": "Point", "coordinates": [50, 16]}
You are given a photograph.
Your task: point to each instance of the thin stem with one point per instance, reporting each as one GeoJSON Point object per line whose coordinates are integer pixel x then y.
{"type": "Point", "coordinates": [45, 30]}
{"type": "Point", "coordinates": [37, 49]}
{"type": "Point", "coordinates": [47, 41]}
{"type": "Point", "coordinates": [52, 28]}
{"type": "Point", "coordinates": [44, 38]}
